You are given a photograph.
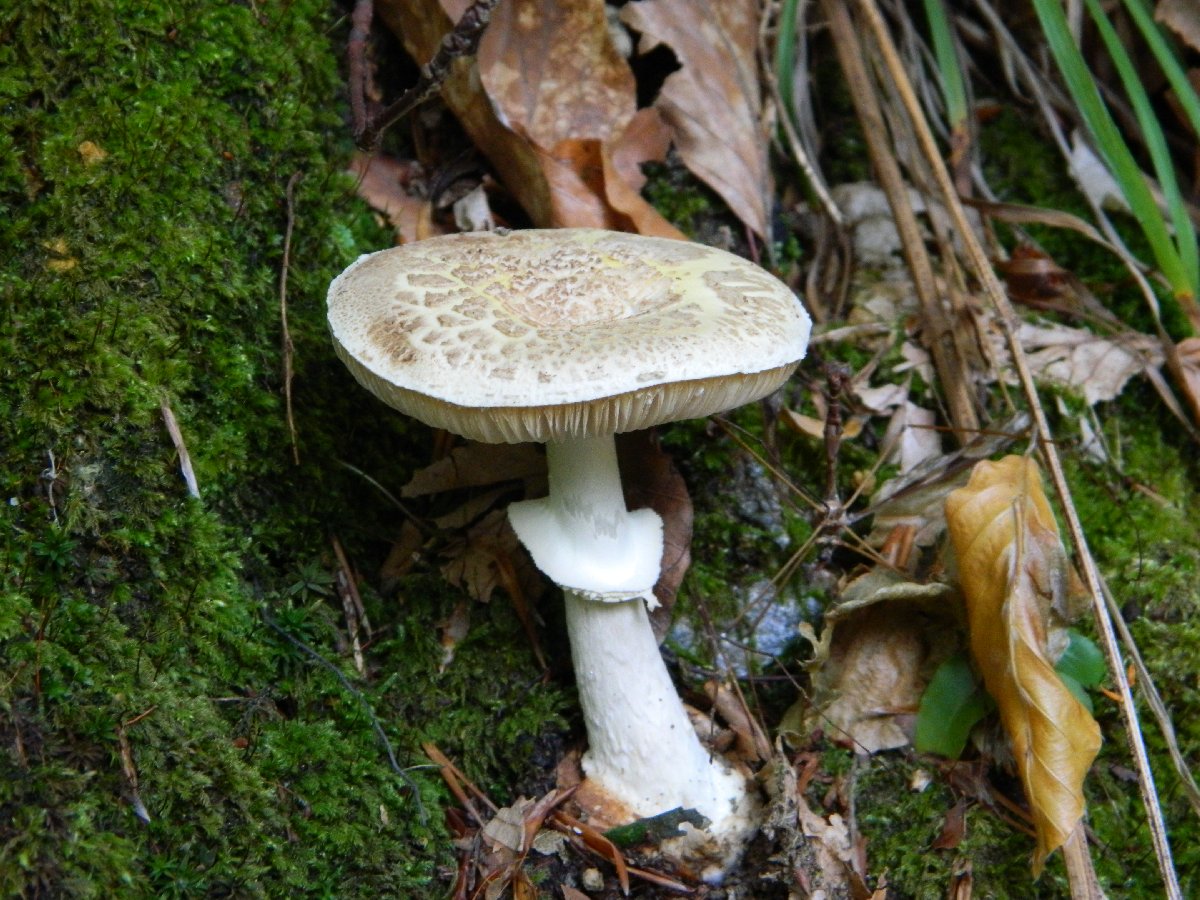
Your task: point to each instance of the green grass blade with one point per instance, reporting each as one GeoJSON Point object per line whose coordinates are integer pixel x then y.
{"type": "Point", "coordinates": [1156, 143]}
{"type": "Point", "coordinates": [1168, 60]}
{"type": "Point", "coordinates": [953, 87]}
{"type": "Point", "coordinates": [785, 57]}
{"type": "Point", "coordinates": [1110, 144]}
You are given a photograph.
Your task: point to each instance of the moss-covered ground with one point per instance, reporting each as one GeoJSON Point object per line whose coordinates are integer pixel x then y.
{"type": "Point", "coordinates": [165, 727]}
{"type": "Point", "coordinates": [144, 160]}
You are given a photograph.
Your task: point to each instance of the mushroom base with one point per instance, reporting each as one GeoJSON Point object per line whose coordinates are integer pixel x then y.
{"type": "Point", "coordinates": [643, 753]}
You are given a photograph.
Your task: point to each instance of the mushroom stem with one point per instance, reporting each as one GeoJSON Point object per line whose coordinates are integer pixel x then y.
{"type": "Point", "coordinates": [643, 752]}
{"type": "Point", "coordinates": [642, 748]}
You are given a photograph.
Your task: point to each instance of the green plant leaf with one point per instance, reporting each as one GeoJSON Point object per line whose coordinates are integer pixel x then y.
{"type": "Point", "coordinates": [1078, 691]}
{"type": "Point", "coordinates": [1082, 660]}
{"type": "Point", "coordinates": [951, 705]}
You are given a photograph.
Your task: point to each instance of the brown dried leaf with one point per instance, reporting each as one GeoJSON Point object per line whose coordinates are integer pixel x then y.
{"type": "Point", "coordinates": [832, 846]}
{"type": "Point", "coordinates": [912, 437]}
{"type": "Point", "coordinates": [650, 479]}
{"type": "Point", "coordinates": [713, 102]}
{"type": "Point", "coordinates": [1182, 17]}
{"type": "Point", "coordinates": [1014, 569]}
{"type": "Point", "coordinates": [954, 828]}
{"type": "Point", "coordinates": [887, 636]}
{"type": "Point", "coordinates": [477, 561]}
{"type": "Point", "coordinates": [1097, 367]}
{"type": "Point", "coordinates": [382, 181]}
{"type": "Point", "coordinates": [548, 100]}
{"type": "Point", "coordinates": [552, 69]}
{"type": "Point", "coordinates": [401, 557]}
{"type": "Point", "coordinates": [477, 465]}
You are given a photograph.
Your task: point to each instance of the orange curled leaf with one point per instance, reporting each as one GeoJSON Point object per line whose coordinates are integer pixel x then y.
{"type": "Point", "coordinates": [1013, 568]}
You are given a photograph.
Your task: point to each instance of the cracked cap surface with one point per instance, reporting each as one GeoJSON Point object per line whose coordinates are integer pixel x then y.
{"type": "Point", "coordinates": [545, 335]}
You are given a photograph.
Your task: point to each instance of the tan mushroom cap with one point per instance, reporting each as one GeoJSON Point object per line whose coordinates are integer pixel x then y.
{"type": "Point", "coordinates": [563, 333]}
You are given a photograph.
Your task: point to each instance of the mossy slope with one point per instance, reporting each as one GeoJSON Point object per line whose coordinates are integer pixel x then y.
{"type": "Point", "coordinates": [144, 158]}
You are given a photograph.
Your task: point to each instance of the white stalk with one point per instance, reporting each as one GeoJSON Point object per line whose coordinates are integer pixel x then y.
{"type": "Point", "coordinates": [643, 750]}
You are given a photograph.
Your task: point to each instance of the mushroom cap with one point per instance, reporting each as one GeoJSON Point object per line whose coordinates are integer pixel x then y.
{"type": "Point", "coordinates": [550, 335]}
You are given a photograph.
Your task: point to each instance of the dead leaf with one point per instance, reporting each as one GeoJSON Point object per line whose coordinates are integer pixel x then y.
{"type": "Point", "coordinates": [954, 828]}
{"type": "Point", "coordinates": [477, 465]}
{"type": "Point", "coordinates": [832, 846]}
{"type": "Point", "coordinates": [553, 70]}
{"type": "Point", "coordinates": [650, 479]}
{"type": "Point", "coordinates": [1093, 176]}
{"type": "Point", "coordinates": [385, 183]}
{"type": "Point", "coordinates": [917, 498]}
{"type": "Point", "coordinates": [550, 102]}
{"type": "Point", "coordinates": [752, 743]}
{"type": "Point", "coordinates": [477, 559]}
{"type": "Point", "coordinates": [712, 103]}
{"type": "Point", "coordinates": [912, 437]}
{"type": "Point", "coordinates": [402, 556]}
{"type": "Point", "coordinates": [1032, 276]}
{"type": "Point", "coordinates": [887, 637]}
{"type": "Point", "coordinates": [1096, 367]}
{"type": "Point", "coordinates": [1013, 569]}
{"type": "Point", "coordinates": [1182, 17]}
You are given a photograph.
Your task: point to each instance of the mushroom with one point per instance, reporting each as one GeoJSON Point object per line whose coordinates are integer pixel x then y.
{"type": "Point", "coordinates": [568, 337]}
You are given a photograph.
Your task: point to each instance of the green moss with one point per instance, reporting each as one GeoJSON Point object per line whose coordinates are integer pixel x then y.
{"type": "Point", "coordinates": [683, 200]}
{"type": "Point", "coordinates": [149, 275]}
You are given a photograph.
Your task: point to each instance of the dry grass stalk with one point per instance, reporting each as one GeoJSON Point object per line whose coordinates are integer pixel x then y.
{"type": "Point", "coordinates": [937, 327]}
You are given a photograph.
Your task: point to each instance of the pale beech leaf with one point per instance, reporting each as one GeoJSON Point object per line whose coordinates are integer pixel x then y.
{"type": "Point", "coordinates": [712, 102]}
{"type": "Point", "coordinates": [1013, 570]}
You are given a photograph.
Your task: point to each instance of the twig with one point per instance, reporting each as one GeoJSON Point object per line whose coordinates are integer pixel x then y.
{"type": "Point", "coordinates": [288, 346]}
{"type": "Point", "coordinates": [431, 750]}
{"type": "Point", "coordinates": [356, 60]}
{"type": "Point", "coordinates": [409, 514]}
{"type": "Point", "coordinates": [185, 461]}
{"type": "Point", "coordinates": [49, 477]}
{"type": "Point", "coordinates": [1158, 708]}
{"type": "Point", "coordinates": [460, 43]}
{"type": "Point", "coordinates": [363, 702]}
{"type": "Point", "coordinates": [1081, 875]}
{"type": "Point", "coordinates": [795, 143]}
{"type": "Point", "coordinates": [352, 605]}
{"type": "Point", "coordinates": [996, 293]}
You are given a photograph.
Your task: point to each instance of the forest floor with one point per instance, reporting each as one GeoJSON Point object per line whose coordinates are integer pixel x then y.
{"type": "Point", "coordinates": [227, 649]}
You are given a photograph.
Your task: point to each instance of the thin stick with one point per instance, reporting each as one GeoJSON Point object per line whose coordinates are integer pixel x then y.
{"type": "Point", "coordinates": [938, 330]}
{"type": "Point", "coordinates": [352, 606]}
{"type": "Point", "coordinates": [1081, 874]}
{"type": "Point", "coordinates": [356, 61]}
{"type": "Point", "coordinates": [995, 292]}
{"type": "Point", "coordinates": [462, 42]}
{"type": "Point", "coordinates": [288, 346]}
{"type": "Point", "coordinates": [185, 459]}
